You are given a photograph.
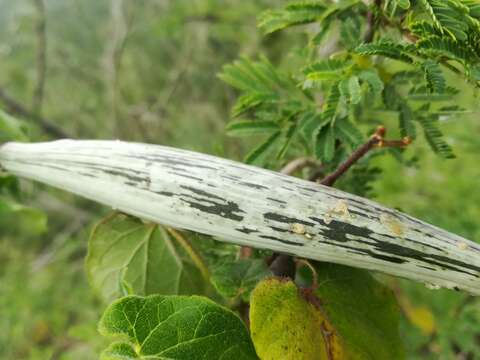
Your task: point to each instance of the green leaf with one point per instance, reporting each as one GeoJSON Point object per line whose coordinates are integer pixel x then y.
{"type": "Point", "coordinates": [406, 121]}
{"type": "Point", "coordinates": [446, 47]}
{"type": "Point", "coordinates": [284, 325]}
{"type": "Point", "coordinates": [325, 144]}
{"type": "Point", "coordinates": [434, 137]}
{"type": "Point", "coordinates": [127, 255]}
{"type": "Point", "coordinates": [174, 327]}
{"type": "Point", "coordinates": [433, 76]}
{"type": "Point", "coordinates": [449, 16]}
{"type": "Point", "coordinates": [326, 69]}
{"type": "Point", "coordinates": [15, 217]}
{"type": "Point", "coordinates": [348, 132]}
{"type": "Point", "coordinates": [350, 32]}
{"type": "Point", "coordinates": [386, 48]}
{"type": "Point", "coordinates": [237, 279]}
{"type": "Point", "coordinates": [11, 129]}
{"type": "Point", "coordinates": [249, 128]}
{"type": "Point", "coordinates": [404, 4]}
{"type": "Point", "coordinates": [257, 154]}
{"type": "Point", "coordinates": [251, 101]}
{"type": "Point", "coordinates": [373, 80]}
{"type": "Point", "coordinates": [363, 312]}
{"type": "Point", "coordinates": [293, 14]}
{"type": "Point", "coordinates": [348, 315]}
{"type": "Point", "coordinates": [329, 110]}
{"type": "Point", "coordinates": [289, 134]}
{"type": "Point", "coordinates": [351, 90]}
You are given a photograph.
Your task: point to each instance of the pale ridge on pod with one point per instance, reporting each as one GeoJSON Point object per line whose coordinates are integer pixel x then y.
{"type": "Point", "coordinates": [250, 206]}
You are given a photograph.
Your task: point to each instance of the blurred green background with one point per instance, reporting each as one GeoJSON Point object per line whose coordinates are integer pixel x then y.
{"type": "Point", "coordinates": [147, 71]}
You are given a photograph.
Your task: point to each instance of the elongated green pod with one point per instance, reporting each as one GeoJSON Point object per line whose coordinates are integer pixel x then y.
{"type": "Point", "coordinates": [247, 205]}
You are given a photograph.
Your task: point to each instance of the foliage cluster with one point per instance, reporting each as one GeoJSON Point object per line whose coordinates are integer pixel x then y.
{"type": "Point", "coordinates": [361, 65]}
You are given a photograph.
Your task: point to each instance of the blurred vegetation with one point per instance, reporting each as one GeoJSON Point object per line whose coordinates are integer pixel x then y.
{"type": "Point", "coordinates": [147, 71]}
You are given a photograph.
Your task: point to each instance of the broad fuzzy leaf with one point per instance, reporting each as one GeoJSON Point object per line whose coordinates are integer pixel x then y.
{"type": "Point", "coordinates": [174, 327]}
{"type": "Point", "coordinates": [363, 312]}
{"type": "Point", "coordinates": [127, 255]}
{"type": "Point", "coordinates": [349, 316]}
{"type": "Point", "coordinates": [284, 325]}
{"type": "Point", "coordinates": [237, 279]}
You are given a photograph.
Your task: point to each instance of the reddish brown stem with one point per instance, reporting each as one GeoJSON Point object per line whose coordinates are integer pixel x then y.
{"type": "Point", "coordinates": [376, 140]}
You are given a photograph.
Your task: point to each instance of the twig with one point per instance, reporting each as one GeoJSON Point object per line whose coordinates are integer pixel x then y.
{"type": "Point", "coordinates": [16, 108]}
{"type": "Point", "coordinates": [371, 21]}
{"type": "Point", "coordinates": [41, 27]}
{"type": "Point", "coordinates": [377, 140]}
{"type": "Point", "coordinates": [196, 258]}
{"type": "Point", "coordinates": [298, 164]}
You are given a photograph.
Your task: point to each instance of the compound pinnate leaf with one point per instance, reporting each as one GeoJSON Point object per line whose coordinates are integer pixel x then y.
{"type": "Point", "coordinates": [126, 255]}
{"type": "Point", "coordinates": [233, 279]}
{"type": "Point", "coordinates": [174, 327]}
{"type": "Point", "coordinates": [285, 325]}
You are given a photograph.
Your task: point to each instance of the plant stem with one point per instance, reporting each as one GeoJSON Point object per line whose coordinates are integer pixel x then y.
{"type": "Point", "coordinates": [376, 140]}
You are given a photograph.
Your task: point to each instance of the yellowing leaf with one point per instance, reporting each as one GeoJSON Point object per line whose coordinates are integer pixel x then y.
{"type": "Point", "coordinates": [348, 316]}
{"type": "Point", "coordinates": [422, 318]}
{"type": "Point", "coordinates": [285, 325]}
{"type": "Point", "coordinates": [363, 312]}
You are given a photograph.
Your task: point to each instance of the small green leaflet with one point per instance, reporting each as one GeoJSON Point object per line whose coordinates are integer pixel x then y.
{"type": "Point", "coordinates": [350, 89]}
{"type": "Point", "coordinates": [294, 14]}
{"type": "Point", "coordinates": [406, 121]}
{"type": "Point", "coordinates": [348, 132]}
{"type": "Point", "coordinates": [404, 4]}
{"type": "Point", "coordinates": [249, 127]}
{"type": "Point", "coordinates": [433, 76]}
{"type": "Point", "coordinates": [329, 69]}
{"type": "Point", "coordinates": [237, 279]}
{"type": "Point", "coordinates": [373, 80]}
{"type": "Point", "coordinates": [386, 48]}
{"type": "Point", "coordinates": [325, 144]}
{"type": "Point", "coordinates": [174, 327]}
{"type": "Point", "coordinates": [11, 129]}
{"type": "Point", "coordinates": [126, 255]}
{"type": "Point", "coordinates": [17, 217]}
{"type": "Point", "coordinates": [257, 155]}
